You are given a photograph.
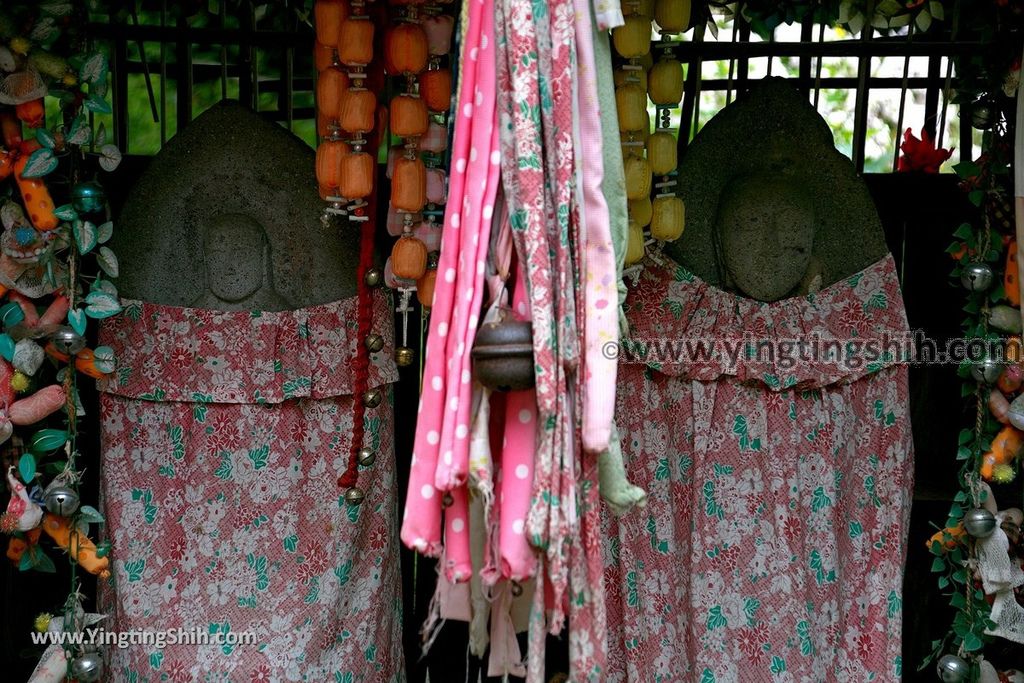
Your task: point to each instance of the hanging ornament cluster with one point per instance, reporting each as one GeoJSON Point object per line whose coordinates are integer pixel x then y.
{"type": "Point", "coordinates": [55, 274]}
{"type": "Point", "coordinates": [416, 48]}
{"type": "Point", "coordinates": [978, 553]}
{"type": "Point", "coordinates": [650, 158]}
{"type": "Point", "coordinates": [349, 126]}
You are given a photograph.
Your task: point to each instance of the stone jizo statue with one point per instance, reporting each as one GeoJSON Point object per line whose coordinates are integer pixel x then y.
{"type": "Point", "coordinates": [773, 209]}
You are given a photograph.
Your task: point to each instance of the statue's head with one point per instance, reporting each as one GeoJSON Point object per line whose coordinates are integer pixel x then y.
{"type": "Point", "coordinates": [773, 209]}
{"type": "Point", "coordinates": [235, 250]}
{"type": "Point", "coordinates": [765, 230]}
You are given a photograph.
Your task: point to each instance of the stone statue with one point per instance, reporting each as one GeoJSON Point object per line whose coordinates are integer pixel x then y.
{"type": "Point", "coordinates": [772, 207]}
{"type": "Point", "coordinates": [239, 267]}
{"type": "Point", "coordinates": [227, 216]}
{"type": "Point", "coordinates": [240, 360]}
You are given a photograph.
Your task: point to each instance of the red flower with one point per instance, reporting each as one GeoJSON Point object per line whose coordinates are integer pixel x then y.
{"type": "Point", "coordinates": [851, 316]}
{"type": "Point", "coordinates": [225, 436]}
{"type": "Point", "coordinates": [751, 643]}
{"type": "Point", "coordinates": [379, 537]}
{"type": "Point", "coordinates": [260, 675]}
{"type": "Point", "coordinates": [864, 644]}
{"type": "Point", "coordinates": [922, 155]}
{"type": "Point", "coordinates": [793, 528]}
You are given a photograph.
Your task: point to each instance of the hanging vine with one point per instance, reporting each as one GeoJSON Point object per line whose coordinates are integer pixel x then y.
{"type": "Point", "coordinates": [55, 272]}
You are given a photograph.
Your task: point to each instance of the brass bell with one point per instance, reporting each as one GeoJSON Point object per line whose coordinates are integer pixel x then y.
{"type": "Point", "coordinates": [354, 496]}
{"type": "Point", "coordinates": [516, 589]}
{"type": "Point", "coordinates": [404, 356]}
{"type": "Point", "coordinates": [366, 456]}
{"type": "Point", "coordinates": [374, 343]}
{"type": "Point", "coordinates": [372, 398]}
{"type": "Point", "coordinates": [373, 277]}
{"type": "Point", "coordinates": [447, 501]}
{"type": "Point", "coordinates": [503, 355]}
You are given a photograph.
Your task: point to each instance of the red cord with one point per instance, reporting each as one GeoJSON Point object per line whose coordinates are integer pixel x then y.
{"type": "Point", "coordinates": [364, 319]}
{"type": "Point", "coordinates": [362, 361]}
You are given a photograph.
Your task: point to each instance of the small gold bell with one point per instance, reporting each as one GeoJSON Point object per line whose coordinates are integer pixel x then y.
{"type": "Point", "coordinates": [373, 277]}
{"type": "Point", "coordinates": [404, 356]}
{"type": "Point", "coordinates": [366, 456]}
{"type": "Point", "coordinates": [374, 343]}
{"type": "Point", "coordinates": [354, 496]}
{"type": "Point", "coordinates": [372, 398]}
{"type": "Point", "coordinates": [517, 589]}
{"type": "Point", "coordinates": [447, 501]}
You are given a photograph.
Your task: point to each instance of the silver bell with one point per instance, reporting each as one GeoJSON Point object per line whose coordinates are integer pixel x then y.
{"type": "Point", "coordinates": [987, 371]}
{"type": "Point", "coordinates": [953, 669]}
{"type": "Point", "coordinates": [977, 277]}
{"type": "Point", "coordinates": [982, 114]}
{"type": "Point", "coordinates": [61, 500]}
{"type": "Point", "coordinates": [87, 668]}
{"type": "Point", "coordinates": [67, 341]}
{"type": "Point", "coordinates": [979, 523]}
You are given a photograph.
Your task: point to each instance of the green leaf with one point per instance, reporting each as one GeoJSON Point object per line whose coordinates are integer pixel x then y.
{"type": "Point", "coordinates": [964, 232]}
{"type": "Point", "coordinates": [976, 197]}
{"type": "Point", "coordinates": [101, 134]}
{"type": "Point", "coordinates": [938, 565]}
{"type": "Point", "coordinates": [96, 103]}
{"type": "Point", "coordinates": [104, 232]}
{"type": "Point", "coordinates": [110, 157]}
{"type": "Point", "coordinates": [80, 132]}
{"type": "Point", "coordinates": [45, 138]}
{"type": "Point", "coordinates": [65, 212]}
{"type": "Point", "coordinates": [972, 643]}
{"type": "Point", "coordinates": [27, 467]}
{"type": "Point", "coordinates": [40, 162]}
{"type": "Point", "coordinates": [967, 169]}
{"type": "Point", "coordinates": [104, 359]}
{"type": "Point", "coordinates": [6, 347]}
{"type": "Point", "coordinates": [77, 320]}
{"type": "Point", "coordinates": [107, 261]}
{"type": "Point", "coordinates": [44, 563]}
{"type": "Point", "coordinates": [47, 440]}
{"type": "Point", "coordinates": [85, 236]}
{"type": "Point", "coordinates": [94, 69]}
{"type": "Point", "coordinates": [90, 514]}
{"type": "Point", "coordinates": [101, 305]}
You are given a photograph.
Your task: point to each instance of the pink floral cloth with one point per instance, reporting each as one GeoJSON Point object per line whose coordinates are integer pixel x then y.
{"type": "Point", "coordinates": [773, 541]}
{"type": "Point", "coordinates": [223, 435]}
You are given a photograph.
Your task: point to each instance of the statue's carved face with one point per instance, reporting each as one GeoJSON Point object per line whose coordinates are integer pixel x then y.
{"type": "Point", "coordinates": [235, 249]}
{"type": "Point", "coordinates": [766, 228]}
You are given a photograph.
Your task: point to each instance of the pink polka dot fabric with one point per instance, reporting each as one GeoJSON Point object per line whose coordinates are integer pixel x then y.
{"type": "Point", "coordinates": [518, 559]}
{"type": "Point", "coordinates": [441, 447]}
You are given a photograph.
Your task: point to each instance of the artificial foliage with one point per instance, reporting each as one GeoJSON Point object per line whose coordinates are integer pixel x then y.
{"type": "Point", "coordinates": [57, 276]}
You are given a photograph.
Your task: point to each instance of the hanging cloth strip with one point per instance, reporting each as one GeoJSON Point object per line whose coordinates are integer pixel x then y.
{"type": "Point", "coordinates": [607, 14]}
{"type": "Point", "coordinates": [441, 446]}
{"type": "Point", "coordinates": [536, 69]}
